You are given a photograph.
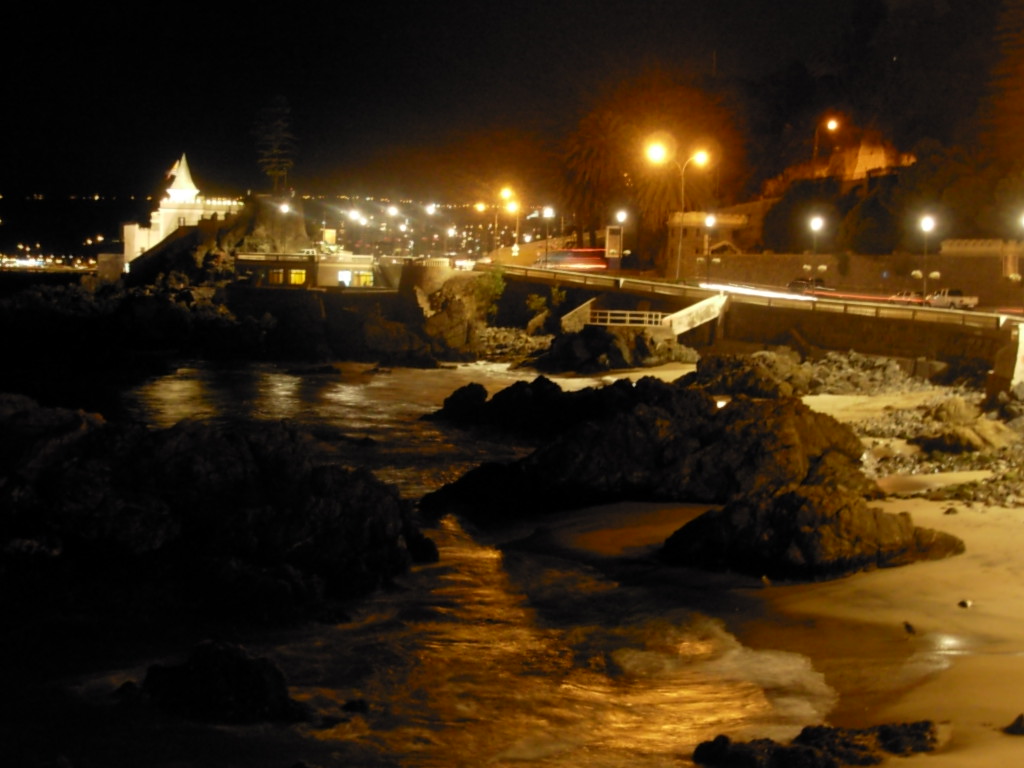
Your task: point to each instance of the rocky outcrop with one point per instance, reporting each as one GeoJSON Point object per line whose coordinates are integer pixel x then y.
{"type": "Point", "coordinates": [760, 374]}
{"type": "Point", "coordinates": [665, 441]}
{"type": "Point", "coordinates": [538, 408]}
{"type": "Point", "coordinates": [790, 478]}
{"type": "Point", "coordinates": [242, 518]}
{"type": "Point", "coordinates": [595, 349]}
{"type": "Point", "coordinates": [958, 426]}
{"type": "Point", "coordinates": [822, 747]}
{"type": "Point", "coordinates": [223, 683]}
{"type": "Point", "coordinates": [811, 532]}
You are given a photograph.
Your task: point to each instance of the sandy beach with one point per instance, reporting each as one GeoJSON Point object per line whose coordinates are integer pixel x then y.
{"type": "Point", "coordinates": [940, 641]}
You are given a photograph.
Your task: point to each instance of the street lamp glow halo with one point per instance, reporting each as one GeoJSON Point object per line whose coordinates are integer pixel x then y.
{"type": "Point", "coordinates": [660, 148]}
{"type": "Point", "coordinates": [927, 223]}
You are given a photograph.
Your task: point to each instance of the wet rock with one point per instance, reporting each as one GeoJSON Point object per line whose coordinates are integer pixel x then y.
{"type": "Point", "coordinates": [222, 510]}
{"type": "Point", "coordinates": [666, 441]}
{"type": "Point", "coordinates": [1016, 728]}
{"type": "Point", "coordinates": [222, 683]}
{"type": "Point", "coordinates": [511, 344]}
{"type": "Point", "coordinates": [595, 349]}
{"type": "Point", "coordinates": [821, 747]}
{"type": "Point", "coordinates": [811, 532]}
{"type": "Point", "coordinates": [539, 408]}
{"type": "Point", "coordinates": [760, 374]}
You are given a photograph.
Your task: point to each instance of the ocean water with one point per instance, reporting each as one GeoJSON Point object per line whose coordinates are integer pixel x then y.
{"type": "Point", "coordinates": [495, 655]}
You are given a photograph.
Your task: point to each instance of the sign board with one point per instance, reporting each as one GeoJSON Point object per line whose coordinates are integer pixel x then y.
{"type": "Point", "coordinates": [613, 246]}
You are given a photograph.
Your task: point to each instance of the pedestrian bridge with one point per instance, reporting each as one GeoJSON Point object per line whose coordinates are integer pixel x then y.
{"type": "Point", "coordinates": [658, 324]}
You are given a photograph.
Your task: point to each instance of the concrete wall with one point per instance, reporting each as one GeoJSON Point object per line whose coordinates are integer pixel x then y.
{"type": "Point", "coordinates": [983, 275]}
{"type": "Point", "coordinates": [868, 335]}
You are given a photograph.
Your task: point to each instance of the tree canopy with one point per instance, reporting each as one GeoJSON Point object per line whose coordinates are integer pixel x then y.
{"type": "Point", "coordinates": [275, 143]}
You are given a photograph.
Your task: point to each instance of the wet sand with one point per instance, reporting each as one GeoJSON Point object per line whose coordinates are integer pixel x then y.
{"type": "Point", "coordinates": [895, 643]}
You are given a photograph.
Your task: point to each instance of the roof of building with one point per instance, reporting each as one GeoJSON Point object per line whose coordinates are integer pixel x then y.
{"type": "Point", "coordinates": [182, 188]}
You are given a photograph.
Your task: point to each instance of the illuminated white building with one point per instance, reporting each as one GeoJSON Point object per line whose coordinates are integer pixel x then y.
{"type": "Point", "coordinates": [182, 206]}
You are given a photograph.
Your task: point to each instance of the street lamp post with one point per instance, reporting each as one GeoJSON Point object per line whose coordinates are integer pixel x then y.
{"type": "Point", "coordinates": [658, 153]}
{"type": "Point", "coordinates": [816, 223]}
{"type": "Point", "coordinates": [548, 214]}
{"type": "Point", "coordinates": [927, 225]}
{"type": "Point", "coordinates": [709, 222]}
{"type": "Point", "coordinates": [831, 125]}
{"type": "Point", "coordinates": [513, 207]}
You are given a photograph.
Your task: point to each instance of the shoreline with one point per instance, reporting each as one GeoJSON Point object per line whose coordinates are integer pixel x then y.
{"type": "Point", "coordinates": [952, 669]}
{"type": "Point", "coordinates": [940, 640]}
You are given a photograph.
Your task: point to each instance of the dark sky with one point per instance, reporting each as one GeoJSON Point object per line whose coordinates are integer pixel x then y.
{"type": "Point", "coordinates": [98, 99]}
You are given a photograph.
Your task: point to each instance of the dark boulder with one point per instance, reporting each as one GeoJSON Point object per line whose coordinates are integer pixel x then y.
{"type": "Point", "coordinates": [594, 349]}
{"type": "Point", "coordinates": [760, 374]}
{"type": "Point", "coordinates": [222, 683]}
{"type": "Point", "coordinates": [666, 442]}
{"type": "Point", "coordinates": [821, 747]}
{"type": "Point", "coordinates": [790, 479]}
{"type": "Point", "coordinates": [810, 532]}
{"type": "Point", "coordinates": [217, 507]}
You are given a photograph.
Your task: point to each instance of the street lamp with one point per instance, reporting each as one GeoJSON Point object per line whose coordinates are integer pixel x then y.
{"type": "Point", "coordinates": [927, 225]}
{"type": "Point", "coordinates": [513, 207]}
{"type": "Point", "coordinates": [831, 125]}
{"type": "Point", "coordinates": [548, 213]}
{"type": "Point", "coordinates": [709, 223]}
{"type": "Point", "coordinates": [816, 223]}
{"type": "Point", "coordinates": [660, 153]}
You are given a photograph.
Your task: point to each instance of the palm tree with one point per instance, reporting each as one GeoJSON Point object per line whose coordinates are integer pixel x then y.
{"type": "Point", "coordinates": [597, 167]}
{"type": "Point", "coordinates": [275, 144]}
{"type": "Point", "coordinates": [604, 160]}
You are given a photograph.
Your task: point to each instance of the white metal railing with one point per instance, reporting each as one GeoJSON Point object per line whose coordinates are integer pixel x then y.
{"type": "Point", "coordinates": [625, 317]}
{"type": "Point", "coordinates": [966, 318]}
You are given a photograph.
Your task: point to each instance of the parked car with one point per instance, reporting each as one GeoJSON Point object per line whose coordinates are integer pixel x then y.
{"type": "Point", "coordinates": [950, 298]}
{"type": "Point", "coordinates": [906, 297]}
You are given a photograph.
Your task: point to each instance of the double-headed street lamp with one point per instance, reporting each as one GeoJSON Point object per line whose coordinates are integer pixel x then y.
{"type": "Point", "coordinates": [660, 153]}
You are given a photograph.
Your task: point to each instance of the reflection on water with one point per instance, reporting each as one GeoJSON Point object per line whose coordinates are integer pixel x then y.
{"type": "Point", "coordinates": [460, 668]}
{"type": "Point", "coordinates": [492, 657]}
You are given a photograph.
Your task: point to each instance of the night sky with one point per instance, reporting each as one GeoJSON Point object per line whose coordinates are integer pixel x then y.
{"type": "Point", "coordinates": [103, 100]}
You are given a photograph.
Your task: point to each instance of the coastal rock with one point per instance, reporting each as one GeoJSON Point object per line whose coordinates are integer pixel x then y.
{"type": "Point", "coordinates": [790, 480]}
{"type": "Point", "coordinates": [594, 349]}
{"type": "Point", "coordinates": [222, 683]}
{"type": "Point", "coordinates": [206, 506]}
{"type": "Point", "coordinates": [760, 374]}
{"type": "Point", "coordinates": [811, 532]}
{"type": "Point", "coordinates": [538, 408]}
{"type": "Point", "coordinates": [665, 441]}
{"type": "Point", "coordinates": [821, 747]}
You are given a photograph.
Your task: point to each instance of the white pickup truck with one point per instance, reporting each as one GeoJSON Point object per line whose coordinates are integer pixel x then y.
{"type": "Point", "coordinates": [950, 298]}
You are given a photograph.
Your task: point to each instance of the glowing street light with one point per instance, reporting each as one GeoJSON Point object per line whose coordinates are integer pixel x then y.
{"type": "Point", "coordinates": [831, 125]}
{"type": "Point", "coordinates": [548, 213]}
{"type": "Point", "coordinates": [817, 223]}
{"type": "Point", "coordinates": [927, 224]}
{"type": "Point", "coordinates": [659, 153]}
{"type": "Point", "coordinates": [709, 224]}
{"type": "Point", "coordinates": [513, 207]}
{"type": "Point", "coordinates": [621, 216]}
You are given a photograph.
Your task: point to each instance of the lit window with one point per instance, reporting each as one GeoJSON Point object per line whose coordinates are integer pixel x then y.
{"type": "Point", "coordinates": [297, 277]}
{"type": "Point", "coordinates": [275, 277]}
